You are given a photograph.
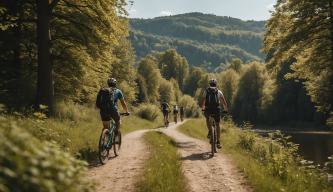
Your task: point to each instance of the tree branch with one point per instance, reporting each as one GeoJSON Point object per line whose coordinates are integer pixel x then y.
{"type": "Point", "coordinates": [53, 4]}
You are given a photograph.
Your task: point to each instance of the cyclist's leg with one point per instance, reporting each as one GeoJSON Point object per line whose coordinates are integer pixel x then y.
{"type": "Point", "coordinates": [116, 117]}
{"type": "Point", "coordinates": [105, 119]}
{"type": "Point", "coordinates": [208, 123]}
{"type": "Point", "coordinates": [217, 118]}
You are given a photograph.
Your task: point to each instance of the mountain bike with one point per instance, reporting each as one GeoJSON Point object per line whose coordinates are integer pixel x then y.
{"type": "Point", "coordinates": [166, 118]}
{"type": "Point", "coordinates": [108, 139]}
{"type": "Point", "coordinates": [213, 134]}
{"type": "Point", "coordinates": [175, 117]}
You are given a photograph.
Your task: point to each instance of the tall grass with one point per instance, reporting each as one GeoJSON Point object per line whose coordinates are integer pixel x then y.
{"type": "Point", "coordinates": [76, 128]}
{"type": "Point", "coordinates": [270, 164]}
{"type": "Point", "coordinates": [163, 169]}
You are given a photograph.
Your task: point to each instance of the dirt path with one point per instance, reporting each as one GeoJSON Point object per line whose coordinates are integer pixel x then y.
{"type": "Point", "coordinates": [202, 172]}
{"type": "Point", "coordinates": [205, 173]}
{"type": "Point", "coordinates": [119, 174]}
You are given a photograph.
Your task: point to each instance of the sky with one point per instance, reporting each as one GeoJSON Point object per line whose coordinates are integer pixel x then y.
{"type": "Point", "coordinates": [242, 9]}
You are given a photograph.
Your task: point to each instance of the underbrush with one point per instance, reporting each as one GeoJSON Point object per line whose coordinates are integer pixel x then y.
{"type": "Point", "coordinates": [148, 111]}
{"type": "Point", "coordinates": [76, 129]}
{"type": "Point", "coordinates": [270, 164]}
{"type": "Point", "coordinates": [28, 164]}
{"type": "Point", "coordinates": [163, 171]}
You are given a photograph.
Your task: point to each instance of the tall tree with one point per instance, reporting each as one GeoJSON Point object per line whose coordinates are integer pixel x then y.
{"type": "Point", "coordinates": [45, 89]}
{"type": "Point", "coordinates": [303, 30]}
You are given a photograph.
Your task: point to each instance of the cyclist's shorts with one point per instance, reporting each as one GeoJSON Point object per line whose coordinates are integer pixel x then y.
{"type": "Point", "coordinates": [165, 112]}
{"type": "Point", "coordinates": [108, 116]}
{"type": "Point", "coordinates": [215, 113]}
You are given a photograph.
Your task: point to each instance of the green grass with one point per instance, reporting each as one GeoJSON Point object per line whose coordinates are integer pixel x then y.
{"type": "Point", "coordinates": [267, 165]}
{"type": "Point", "coordinates": [162, 171]}
{"type": "Point", "coordinates": [77, 129]}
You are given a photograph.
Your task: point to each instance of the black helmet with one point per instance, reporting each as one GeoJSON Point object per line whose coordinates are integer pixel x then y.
{"type": "Point", "coordinates": [213, 82]}
{"type": "Point", "coordinates": [112, 82]}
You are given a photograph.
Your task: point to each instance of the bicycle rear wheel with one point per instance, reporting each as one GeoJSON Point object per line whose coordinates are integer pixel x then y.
{"type": "Point", "coordinates": [116, 143]}
{"type": "Point", "coordinates": [103, 148]}
{"type": "Point", "coordinates": [213, 137]}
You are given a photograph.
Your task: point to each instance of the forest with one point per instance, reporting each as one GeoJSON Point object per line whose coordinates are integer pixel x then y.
{"type": "Point", "coordinates": [56, 55]}
{"type": "Point", "coordinates": [198, 37]}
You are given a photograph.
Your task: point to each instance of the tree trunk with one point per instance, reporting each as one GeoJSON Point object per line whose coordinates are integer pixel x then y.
{"type": "Point", "coordinates": [45, 91]}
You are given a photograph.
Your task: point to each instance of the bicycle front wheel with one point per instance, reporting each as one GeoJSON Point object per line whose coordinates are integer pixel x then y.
{"type": "Point", "coordinates": [116, 143]}
{"type": "Point", "coordinates": [103, 148]}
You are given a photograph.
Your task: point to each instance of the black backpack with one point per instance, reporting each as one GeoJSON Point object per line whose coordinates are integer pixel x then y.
{"type": "Point", "coordinates": [105, 100]}
{"type": "Point", "coordinates": [212, 98]}
{"type": "Point", "coordinates": [164, 106]}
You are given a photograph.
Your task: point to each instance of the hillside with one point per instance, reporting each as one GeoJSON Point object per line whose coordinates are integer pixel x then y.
{"type": "Point", "coordinates": [205, 40]}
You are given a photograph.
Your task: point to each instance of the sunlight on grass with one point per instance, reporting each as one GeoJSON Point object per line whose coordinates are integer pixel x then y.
{"type": "Point", "coordinates": [163, 169]}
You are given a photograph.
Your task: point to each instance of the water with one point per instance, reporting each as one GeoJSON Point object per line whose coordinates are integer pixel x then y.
{"type": "Point", "coordinates": [313, 145]}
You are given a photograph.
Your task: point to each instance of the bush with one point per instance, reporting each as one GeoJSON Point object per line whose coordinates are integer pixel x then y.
{"type": "Point", "coordinates": [191, 107]}
{"type": "Point", "coordinates": [27, 164]}
{"type": "Point", "coordinates": [68, 110]}
{"type": "Point", "coordinates": [148, 111]}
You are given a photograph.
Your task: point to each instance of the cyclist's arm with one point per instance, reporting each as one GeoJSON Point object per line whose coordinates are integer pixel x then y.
{"type": "Point", "coordinates": [124, 105]}
{"type": "Point", "coordinates": [224, 103]}
{"type": "Point", "coordinates": [203, 104]}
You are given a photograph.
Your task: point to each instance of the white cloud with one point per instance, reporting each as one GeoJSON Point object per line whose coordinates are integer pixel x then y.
{"type": "Point", "coordinates": [165, 13]}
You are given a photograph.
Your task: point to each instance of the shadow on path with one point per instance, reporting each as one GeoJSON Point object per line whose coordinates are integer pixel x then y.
{"type": "Point", "coordinates": [197, 156]}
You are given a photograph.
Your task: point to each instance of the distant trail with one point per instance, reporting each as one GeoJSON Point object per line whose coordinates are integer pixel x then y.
{"type": "Point", "coordinates": [204, 173]}
{"type": "Point", "coordinates": [120, 173]}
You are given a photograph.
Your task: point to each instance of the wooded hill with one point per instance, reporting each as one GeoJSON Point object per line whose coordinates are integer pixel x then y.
{"type": "Point", "coordinates": [207, 41]}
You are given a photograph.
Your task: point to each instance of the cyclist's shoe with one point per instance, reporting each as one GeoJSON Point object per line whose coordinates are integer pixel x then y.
{"type": "Point", "coordinates": [218, 145]}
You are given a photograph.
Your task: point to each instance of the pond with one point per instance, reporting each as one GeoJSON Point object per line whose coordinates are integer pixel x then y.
{"type": "Point", "coordinates": [315, 146]}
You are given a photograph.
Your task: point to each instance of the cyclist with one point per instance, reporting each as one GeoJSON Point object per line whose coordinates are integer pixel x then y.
{"type": "Point", "coordinates": [175, 112]}
{"type": "Point", "coordinates": [212, 98]}
{"type": "Point", "coordinates": [182, 111]}
{"type": "Point", "coordinates": [106, 101]}
{"type": "Point", "coordinates": [165, 110]}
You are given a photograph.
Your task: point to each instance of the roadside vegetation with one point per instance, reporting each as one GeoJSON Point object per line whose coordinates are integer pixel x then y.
{"type": "Point", "coordinates": [270, 164]}
{"type": "Point", "coordinates": [162, 172]}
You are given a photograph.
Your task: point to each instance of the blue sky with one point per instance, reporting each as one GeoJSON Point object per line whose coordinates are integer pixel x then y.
{"type": "Point", "coordinates": [242, 9]}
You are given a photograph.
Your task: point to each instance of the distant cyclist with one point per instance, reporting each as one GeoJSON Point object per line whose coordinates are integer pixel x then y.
{"type": "Point", "coordinates": [165, 110]}
{"type": "Point", "coordinates": [106, 101]}
{"type": "Point", "coordinates": [175, 113]}
{"type": "Point", "coordinates": [181, 113]}
{"type": "Point", "coordinates": [212, 98]}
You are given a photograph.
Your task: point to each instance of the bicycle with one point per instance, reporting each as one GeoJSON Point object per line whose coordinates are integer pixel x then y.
{"type": "Point", "coordinates": [213, 132]}
{"type": "Point", "coordinates": [109, 139]}
{"type": "Point", "coordinates": [166, 118]}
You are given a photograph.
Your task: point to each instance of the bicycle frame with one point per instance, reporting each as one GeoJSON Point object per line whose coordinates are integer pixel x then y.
{"type": "Point", "coordinates": [112, 127]}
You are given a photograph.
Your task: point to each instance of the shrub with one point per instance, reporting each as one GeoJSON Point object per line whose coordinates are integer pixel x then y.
{"type": "Point", "coordinates": [27, 164]}
{"type": "Point", "coordinates": [191, 107]}
{"type": "Point", "coordinates": [148, 111]}
{"type": "Point", "coordinates": [68, 110]}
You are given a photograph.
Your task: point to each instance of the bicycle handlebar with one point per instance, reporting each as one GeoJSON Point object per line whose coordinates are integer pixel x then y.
{"type": "Point", "coordinates": [124, 114]}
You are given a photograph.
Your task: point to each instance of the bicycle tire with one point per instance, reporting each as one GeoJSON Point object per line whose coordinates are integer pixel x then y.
{"type": "Point", "coordinates": [116, 143]}
{"type": "Point", "coordinates": [213, 137]}
{"type": "Point", "coordinates": [103, 151]}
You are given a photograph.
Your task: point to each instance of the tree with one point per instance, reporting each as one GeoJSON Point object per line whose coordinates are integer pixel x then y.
{"type": "Point", "coordinates": [45, 90]}
{"type": "Point", "coordinates": [303, 30]}
{"type": "Point", "coordinates": [149, 71]}
{"type": "Point", "coordinates": [173, 65]}
{"type": "Point", "coordinates": [192, 82]}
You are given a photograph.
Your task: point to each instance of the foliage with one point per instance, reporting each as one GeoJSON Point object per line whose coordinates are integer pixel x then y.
{"type": "Point", "coordinates": [148, 111]}
{"type": "Point", "coordinates": [198, 37]}
{"type": "Point", "coordinates": [163, 168]}
{"type": "Point", "coordinates": [190, 105]}
{"type": "Point", "coordinates": [152, 76]}
{"type": "Point", "coordinates": [87, 39]}
{"type": "Point", "coordinates": [302, 31]}
{"type": "Point", "coordinates": [166, 91]}
{"type": "Point", "coordinates": [31, 165]}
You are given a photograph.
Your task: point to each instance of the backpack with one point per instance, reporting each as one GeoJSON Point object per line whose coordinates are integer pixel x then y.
{"type": "Point", "coordinates": [212, 98]}
{"type": "Point", "coordinates": [105, 100]}
{"type": "Point", "coordinates": [164, 106]}
{"type": "Point", "coordinates": [175, 109]}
